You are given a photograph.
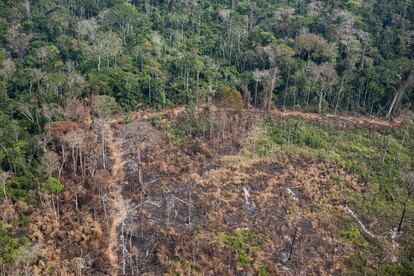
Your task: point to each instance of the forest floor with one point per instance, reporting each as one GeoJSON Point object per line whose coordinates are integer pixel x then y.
{"type": "Point", "coordinates": [203, 201]}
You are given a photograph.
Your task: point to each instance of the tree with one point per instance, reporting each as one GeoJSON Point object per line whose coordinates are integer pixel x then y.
{"type": "Point", "coordinates": [104, 45]}
{"type": "Point", "coordinates": [8, 69]}
{"type": "Point", "coordinates": [228, 97]}
{"type": "Point", "coordinates": [53, 187]}
{"type": "Point", "coordinates": [9, 246]}
{"type": "Point", "coordinates": [18, 42]}
{"type": "Point", "coordinates": [124, 18]}
{"type": "Point", "coordinates": [314, 47]}
{"type": "Point", "coordinates": [326, 76]}
{"type": "Point", "coordinates": [104, 106]}
{"type": "Point", "coordinates": [406, 76]}
{"type": "Point", "coordinates": [4, 176]}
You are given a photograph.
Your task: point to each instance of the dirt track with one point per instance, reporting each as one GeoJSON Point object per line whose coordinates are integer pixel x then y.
{"type": "Point", "coordinates": [372, 122]}
{"type": "Point", "coordinates": [119, 215]}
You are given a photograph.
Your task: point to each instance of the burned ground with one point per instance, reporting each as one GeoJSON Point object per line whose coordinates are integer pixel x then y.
{"type": "Point", "coordinates": [197, 206]}
{"type": "Point", "coordinates": [221, 193]}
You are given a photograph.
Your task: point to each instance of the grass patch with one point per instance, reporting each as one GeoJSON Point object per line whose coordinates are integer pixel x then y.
{"type": "Point", "coordinates": [186, 128]}
{"type": "Point", "coordinates": [243, 243]}
{"type": "Point", "coordinates": [379, 158]}
{"type": "Point", "coordinates": [353, 236]}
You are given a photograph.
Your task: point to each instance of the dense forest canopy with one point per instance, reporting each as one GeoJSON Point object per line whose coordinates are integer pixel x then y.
{"type": "Point", "coordinates": [347, 56]}
{"type": "Point", "coordinates": [60, 59]}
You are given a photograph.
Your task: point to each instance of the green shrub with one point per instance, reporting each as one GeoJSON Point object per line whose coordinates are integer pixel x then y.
{"type": "Point", "coordinates": [52, 185]}
{"type": "Point", "coordinates": [104, 106]}
{"type": "Point", "coordinates": [243, 243]}
{"type": "Point", "coordinates": [8, 246]}
{"type": "Point", "coordinates": [263, 271]}
{"type": "Point", "coordinates": [228, 97]}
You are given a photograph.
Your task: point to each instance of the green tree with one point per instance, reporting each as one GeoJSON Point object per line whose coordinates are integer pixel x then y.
{"type": "Point", "coordinates": [228, 97]}
{"type": "Point", "coordinates": [104, 106]}
{"type": "Point", "coordinates": [52, 185]}
{"type": "Point", "coordinates": [125, 19]}
{"type": "Point", "coordinates": [8, 246]}
{"type": "Point", "coordinates": [314, 47]}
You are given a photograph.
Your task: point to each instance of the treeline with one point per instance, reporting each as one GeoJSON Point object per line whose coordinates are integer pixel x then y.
{"type": "Point", "coordinates": [337, 56]}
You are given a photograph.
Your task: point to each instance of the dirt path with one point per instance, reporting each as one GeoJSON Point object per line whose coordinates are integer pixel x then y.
{"type": "Point", "coordinates": [119, 215]}
{"type": "Point", "coordinates": [372, 122]}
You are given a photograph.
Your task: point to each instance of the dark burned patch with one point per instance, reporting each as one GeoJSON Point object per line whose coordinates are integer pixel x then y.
{"type": "Point", "coordinates": [228, 150]}
{"type": "Point", "coordinates": [257, 184]}
{"type": "Point", "coordinates": [145, 247]}
{"type": "Point", "coordinates": [188, 190]}
{"type": "Point", "coordinates": [270, 168]}
{"type": "Point", "coordinates": [289, 193]}
{"type": "Point", "coordinates": [204, 168]}
{"type": "Point", "coordinates": [235, 221]}
{"type": "Point", "coordinates": [296, 252]}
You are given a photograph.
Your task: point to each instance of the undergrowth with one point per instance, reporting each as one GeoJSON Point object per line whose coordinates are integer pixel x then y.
{"type": "Point", "coordinates": [243, 243]}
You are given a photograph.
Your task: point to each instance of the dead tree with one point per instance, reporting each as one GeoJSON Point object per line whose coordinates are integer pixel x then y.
{"type": "Point", "coordinates": [408, 180]}
{"type": "Point", "coordinates": [406, 84]}
{"type": "Point", "coordinates": [293, 243]}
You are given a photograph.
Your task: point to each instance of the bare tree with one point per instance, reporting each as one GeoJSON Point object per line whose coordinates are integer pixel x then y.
{"type": "Point", "coordinates": [28, 254]}
{"type": "Point", "coordinates": [34, 76]}
{"type": "Point", "coordinates": [326, 76]}
{"type": "Point", "coordinates": [258, 77]}
{"type": "Point", "coordinates": [17, 41]}
{"type": "Point", "coordinates": [8, 69]}
{"type": "Point", "coordinates": [269, 85]}
{"type": "Point", "coordinates": [74, 140]}
{"type": "Point", "coordinates": [408, 180]}
{"type": "Point", "coordinates": [407, 83]}
{"type": "Point", "coordinates": [101, 127]}
{"type": "Point", "coordinates": [50, 163]}
{"type": "Point", "coordinates": [104, 45]}
{"type": "Point", "coordinates": [74, 80]}
{"type": "Point", "coordinates": [4, 176]}
{"type": "Point", "coordinates": [87, 28]}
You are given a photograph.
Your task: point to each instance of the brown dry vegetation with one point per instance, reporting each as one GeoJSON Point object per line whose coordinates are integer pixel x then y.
{"type": "Point", "coordinates": [192, 192]}
{"type": "Point", "coordinates": [172, 192]}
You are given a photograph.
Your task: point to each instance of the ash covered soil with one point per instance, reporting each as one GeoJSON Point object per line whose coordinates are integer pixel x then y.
{"type": "Point", "coordinates": [197, 204]}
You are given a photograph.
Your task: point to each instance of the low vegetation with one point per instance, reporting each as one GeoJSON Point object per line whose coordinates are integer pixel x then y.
{"type": "Point", "coordinates": [243, 243]}
{"type": "Point", "coordinates": [381, 158]}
